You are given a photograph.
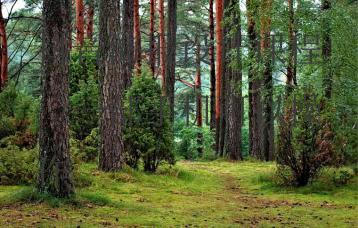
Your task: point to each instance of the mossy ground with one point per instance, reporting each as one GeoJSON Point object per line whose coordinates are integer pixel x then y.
{"type": "Point", "coordinates": [198, 194]}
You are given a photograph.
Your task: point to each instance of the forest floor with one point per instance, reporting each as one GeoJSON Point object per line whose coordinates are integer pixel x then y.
{"type": "Point", "coordinates": [192, 194]}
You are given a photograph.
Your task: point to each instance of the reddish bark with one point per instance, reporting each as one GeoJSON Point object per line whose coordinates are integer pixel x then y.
{"type": "Point", "coordinates": [152, 37]}
{"type": "Point", "coordinates": [162, 44]}
{"type": "Point", "coordinates": [137, 38]}
{"type": "Point", "coordinates": [4, 57]}
{"type": "Point", "coordinates": [219, 58]}
{"type": "Point", "coordinates": [90, 20]}
{"type": "Point", "coordinates": [80, 22]}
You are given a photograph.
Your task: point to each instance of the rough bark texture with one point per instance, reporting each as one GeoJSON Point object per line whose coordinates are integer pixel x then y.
{"type": "Point", "coordinates": [55, 162]}
{"type": "Point", "coordinates": [255, 109]}
{"type": "Point", "coordinates": [127, 41]}
{"type": "Point", "coordinates": [162, 44]}
{"type": "Point", "coordinates": [112, 86]}
{"type": "Point", "coordinates": [171, 52]}
{"type": "Point", "coordinates": [234, 94]}
{"type": "Point", "coordinates": [3, 56]}
{"type": "Point", "coordinates": [199, 103]}
{"type": "Point", "coordinates": [268, 123]}
{"type": "Point", "coordinates": [90, 20]}
{"type": "Point", "coordinates": [137, 39]}
{"type": "Point", "coordinates": [219, 67]}
{"type": "Point", "coordinates": [327, 50]}
{"type": "Point", "coordinates": [152, 37]}
{"type": "Point", "coordinates": [212, 63]}
{"type": "Point", "coordinates": [80, 22]}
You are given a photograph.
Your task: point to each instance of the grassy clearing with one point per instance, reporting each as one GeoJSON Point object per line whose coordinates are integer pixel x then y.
{"type": "Point", "coordinates": [204, 194]}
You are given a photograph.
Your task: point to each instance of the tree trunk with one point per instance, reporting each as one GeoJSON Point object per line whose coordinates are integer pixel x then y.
{"type": "Point", "coordinates": [152, 37]}
{"type": "Point", "coordinates": [212, 64]}
{"type": "Point", "coordinates": [219, 68]}
{"type": "Point", "coordinates": [4, 57]}
{"type": "Point", "coordinates": [254, 84]}
{"type": "Point", "coordinates": [171, 52]}
{"type": "Point", "coordinates": [128, 44]}
{"type": "Point", "coordinates": [55, 162]}
{"type": "Point", "coordinates": [80, 22]}
{"type": "Point", "coordinates": [162, 44]}
{"type": "Point", "coordinates": [268, 123]}
{"type": "Point", "coordinates": [90, 20]}
{"type": "Point", "coordinates": [112, 86]}
{"type": "Point", "coordinates": [234, 99]}
{"type": "Point", "coordinates": [137, 39]}
{"type": "Point", "coordinates": [199, 103]}
{"type": "Point", "coordinates": [327, 49]}
{"type": "Point", "coordinates": [292, 49]}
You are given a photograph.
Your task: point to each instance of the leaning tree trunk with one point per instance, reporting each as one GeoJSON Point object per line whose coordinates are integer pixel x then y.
{"type": "Point", "coordinates": [112, 86]}
{"type": "Point", "coordinates": [171, 52]}
{"type": "Point", "coordinates": [152, 37]}
{"type": "Point", "coordinates": [90, 20]}
{"type": "Point", "coordinates": [80, 22]}
{"type": "Point", "coordinates": [137, 39]}
{"type": "Point", "coordinates": [3, 56]}
{"type": "Point", "coordinates": [127, 40]}
{"type": "Point", "coordinates": [327, 49]}
{"type": "Point", "coordinates": [162, 44]}
{"type": "Point", "coordinates": [254, 84]}
{"type": "Point", "coordinates": [219, 68]}
{"type": "Point", "coordinates": [212, 63]}
{"type": "Point", "coordinates": [55, 162]}
{"type": "Point", "coordinates": [268, 123]}
{"type": "Point", "coordinates": [234, 94]}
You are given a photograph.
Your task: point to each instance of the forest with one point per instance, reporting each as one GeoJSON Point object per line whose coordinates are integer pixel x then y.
{"type": "Point", "coordinates": [178, 113]}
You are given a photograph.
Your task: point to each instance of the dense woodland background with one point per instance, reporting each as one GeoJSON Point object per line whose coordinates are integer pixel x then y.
{"type": "Point", "coordinates": [138, 88]}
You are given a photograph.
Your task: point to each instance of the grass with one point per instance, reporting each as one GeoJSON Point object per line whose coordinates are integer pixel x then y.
{"type": "Point", "coordinates": [203, 194]}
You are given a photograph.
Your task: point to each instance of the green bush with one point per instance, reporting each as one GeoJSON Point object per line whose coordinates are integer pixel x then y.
{"type": "Point", "coordinates": [188, 145]}
{"type": "Point", "coordinates": [148, 133]}
{"type": "Point", "coordinates": [18, 166]}
{"type": "Point", "coordinates": [310, 145]}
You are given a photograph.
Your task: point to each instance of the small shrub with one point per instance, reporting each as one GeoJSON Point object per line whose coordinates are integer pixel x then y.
{"type": "Point", "coordinates": [18, 166]}
{"type": "Point", "coordinates": [343, 177]}
{"type": "Point", "coordinates": [148, 132]}
{"type": "Point", "coordinates": [306, 141]}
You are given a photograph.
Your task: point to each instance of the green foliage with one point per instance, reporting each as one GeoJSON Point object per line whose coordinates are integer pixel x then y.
{"type": "Point", "coordinates": [18, 166]}
{"type": "Point", "coordinates": [311, 146]}
{"type": "Point", "coordinates": [84, 109]}
{"type": "Point", "coordinates": [148, 132]}
{"type": "Point", "coordinates": [187, 146]}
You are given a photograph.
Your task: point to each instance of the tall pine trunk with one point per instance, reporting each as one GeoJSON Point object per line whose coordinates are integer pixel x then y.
{"type": "Point", "coordinates": [152, 37]}
{"type": "Point", "coordinates": [112, 86]}
{"type": "Point", "coordinates": [3, 56]}
{"type": "Point", "coordinates": [137, 38]}
{"type": "Point", "coordinates": [55, 162]}
{"type": "Point", "coordinates": [234, 94]}
{"type": "Point", "coordinates": [127, 41]}
{"type": "Point", "coordinates": [255, 109]}
{"type": "Point", "coordinates": [219, 68]}
{"type": "Point", "coordinates": [292, 49]}
{"type": "Point", "coordinates": [268, 121]}
{"type": "Point", "coordinates": [162, 44]}
{"type": "Point", "coordinates": [171, 52]}
{"type": "Point", "coordinates": [80, 22]}
{"type": "Point", "coordinates": [199, 103]}
{"type": "Point", "coordinates": [90, 20]}
{"type": "Point", "coordinates": [212, 63]}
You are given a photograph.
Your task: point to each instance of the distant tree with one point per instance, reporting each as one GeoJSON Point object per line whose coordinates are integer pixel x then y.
{"type": "Point", "coordinates": [55, 163]}
{"type": "Point", "coordinates": [90, 19]}
{"type": "Point", "coordinates": [327, 49]}
{"type": "Point", "coordinates": [137, 38]}
{"type": "Point", "coordinates": [162, 44]}
{"type": "Point", "coordinates": [152, 36]}
{"type": "Point", "coordinates": [80, 22]}
{"type": "Point", "coordinates": [212, 63]}
{"type": "Point", "coordinates": [112, 86]}
{"type": "Point", "coordinates": [3, 56]}
{"type": "Point", "coordinates": [127, 41]}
